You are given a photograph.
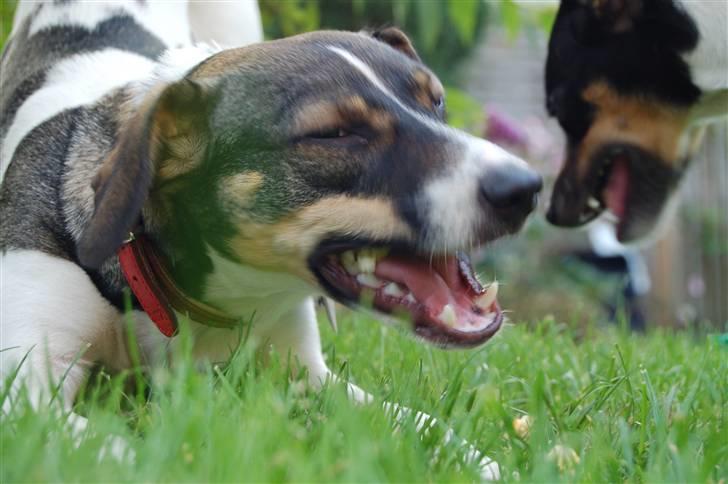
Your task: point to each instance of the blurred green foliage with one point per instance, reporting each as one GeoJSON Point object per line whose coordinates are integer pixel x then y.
{"type": "Point", "coordinates": [516, 18]}
{"type": "Point", "coordinates": [7, 8]}
{"type": "Point", "coordinates": [442, 31]}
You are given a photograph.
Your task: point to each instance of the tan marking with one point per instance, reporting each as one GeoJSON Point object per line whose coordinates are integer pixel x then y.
{"type": "Point", "coordinates": [428, 88]}
{"type": "Point", "coordinates": [286, 245]}
{"type": "Point", "coordinates": [186, 153]}
{"type": "Point", "coordinates": [178, 130]}
{"type": "Point", "coordinates": [654, 127]}
{"type": "Point", "coordinates": [317, 117]}
{"type": "Point", "coordinates": [237, 191]}
{"type": "Point", "coordinates": [325, 115]}
{"type": "Point", "coordinates": [227, 62]}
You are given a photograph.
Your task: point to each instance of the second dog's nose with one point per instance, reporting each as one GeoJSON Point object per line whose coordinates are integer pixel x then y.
{"type": "Point", "coordinates": [510, 187]}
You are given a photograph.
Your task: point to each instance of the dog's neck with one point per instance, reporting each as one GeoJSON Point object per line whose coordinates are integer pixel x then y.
{"type": "Point", "coordinates": [204, 273]}
{"type": "Point", "coordinates": [246, 291]}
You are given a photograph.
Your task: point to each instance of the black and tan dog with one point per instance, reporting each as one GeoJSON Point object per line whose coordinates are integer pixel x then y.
{"type": "Point", "coordinates": [251, 180]}
{"type": "Point", "coordinates": [632, 83]}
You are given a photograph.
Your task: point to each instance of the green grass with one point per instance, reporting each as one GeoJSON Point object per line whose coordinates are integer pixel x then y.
{"type": "Point", "coordinates": [639, 408]}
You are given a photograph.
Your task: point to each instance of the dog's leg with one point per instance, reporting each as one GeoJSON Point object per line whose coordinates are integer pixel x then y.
{"type": "Point", "coordinates": [298, 336]}
{"type": "Point", "coordinates": [54, 322]}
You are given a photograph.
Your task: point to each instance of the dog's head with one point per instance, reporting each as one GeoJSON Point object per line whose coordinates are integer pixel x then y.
{"type": "Point", "coordinates": [620, 89]}
{"type": "Point", "coordinates": [324, 156]}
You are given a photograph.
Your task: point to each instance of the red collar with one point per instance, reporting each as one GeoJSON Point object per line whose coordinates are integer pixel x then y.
{"type": "Point", "coordinates": [156, 291]}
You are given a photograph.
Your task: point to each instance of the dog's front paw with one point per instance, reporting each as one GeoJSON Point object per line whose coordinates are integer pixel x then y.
{"type": "Point", "coordinates": [488, 468]}
{"type": "Point", "coordinates": [113, 446]}
{"type": "Point", "coordinates": [116, 448]}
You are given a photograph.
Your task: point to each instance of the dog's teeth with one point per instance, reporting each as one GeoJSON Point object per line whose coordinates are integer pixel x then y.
{"type": "Point", "coordinates": [486, 300]}
{"type": "Point", "coordinates": [376, 253]}
{"type": "Point", "coordinates": [410, 298]}
{"type": "Point", "coordinates": [448, 316]}
{"type": "Point", "coordinates": [369, 280]}
{"type": "Point", "coordinates": [593, 203]}
{"type": "Point", "coordinates": [366, 263]}
{"type": "Point", "coordinates": [348, 260]}
{"type": "Point", "coordinates": [392, 289]}
{"type": "Point", "coordinates": [330, 309]}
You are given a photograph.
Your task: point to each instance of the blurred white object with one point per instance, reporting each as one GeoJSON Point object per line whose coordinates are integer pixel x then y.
{"type": "Point", "coordinates": [603, 238]}
{"type": "Point", "coordinates": [224, 22]}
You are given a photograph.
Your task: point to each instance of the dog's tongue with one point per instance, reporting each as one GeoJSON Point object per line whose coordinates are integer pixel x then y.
{"type": "Point", "coordinates": [615, 196]}
{"type": "Point", "coordinates": [433, 284]}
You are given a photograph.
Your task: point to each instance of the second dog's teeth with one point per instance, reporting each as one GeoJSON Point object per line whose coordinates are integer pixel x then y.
{"type": "Point", "coordinates": [448, 316]}
{"type": "Point", "coordinates": [369, 280]}
{"type": "Point", "coordinates": [486, 300]}
{"type": "Point", "coordinates": [392, 289]}
{"type": "Point", "coordinates": [593, 203]}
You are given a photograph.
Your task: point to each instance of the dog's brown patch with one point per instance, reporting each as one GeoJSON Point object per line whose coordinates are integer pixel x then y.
{"type": "Point", "coordinates": [237, 192]}
{"type": "Point", "coordinates": [286, 245]}
{"type": "Point", "coordinates": [646, 123]}
{"type": "Point", "coordinates": [323, 116]}
{"type": "Point", "coordinates": [185, 154]}
{"type": "Point", "coordinates": [226, 62]}
{"type": "Point", "coordinates": [428, 88]}
{"type": "Point", "coordinates": [398, 40]}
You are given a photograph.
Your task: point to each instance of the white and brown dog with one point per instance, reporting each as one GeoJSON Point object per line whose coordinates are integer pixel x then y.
{"type": "Point", "coordinates": [252, 180]}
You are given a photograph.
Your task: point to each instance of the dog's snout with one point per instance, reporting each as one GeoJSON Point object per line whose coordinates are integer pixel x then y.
{"type": "Point", "coordinates": [511, 187]}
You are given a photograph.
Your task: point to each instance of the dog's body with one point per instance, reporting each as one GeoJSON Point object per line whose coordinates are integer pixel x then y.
{"type": "Point", "coordinates": [262, 177]}
{"type": "Point", "coordinates": [632, 83]}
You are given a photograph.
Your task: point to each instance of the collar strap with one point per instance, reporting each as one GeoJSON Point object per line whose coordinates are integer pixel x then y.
{"type": "Point", "coordinates": [152, 284]}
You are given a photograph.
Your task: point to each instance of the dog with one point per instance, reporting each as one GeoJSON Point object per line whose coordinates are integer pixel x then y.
{"type": "Point", "coordinates": [633, 84]}
{"type": "Point", "coordinates": [230, 188]}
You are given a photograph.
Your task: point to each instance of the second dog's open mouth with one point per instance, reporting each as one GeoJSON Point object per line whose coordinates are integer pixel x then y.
{"type": "Point", "coordinates": [439, 294]}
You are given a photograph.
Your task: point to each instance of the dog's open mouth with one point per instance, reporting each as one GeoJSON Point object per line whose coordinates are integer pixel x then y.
{"type": "Point", "coordinates": [610, 186]}
{"type": "Point", "coordinates": [440, 295]}
{"type": "Point", "coordinates": [631, 184]}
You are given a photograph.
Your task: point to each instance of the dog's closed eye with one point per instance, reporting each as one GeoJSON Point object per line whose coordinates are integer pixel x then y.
{"type": "Point", "coordinates": [337, 135]}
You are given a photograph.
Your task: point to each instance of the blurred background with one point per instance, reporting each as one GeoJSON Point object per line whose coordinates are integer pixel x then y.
{"type": "Point", "coordinates": [490, 55]}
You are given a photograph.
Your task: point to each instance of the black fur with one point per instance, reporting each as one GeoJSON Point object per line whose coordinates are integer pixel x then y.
{"type": "Point", "coordinates": [644, 60]}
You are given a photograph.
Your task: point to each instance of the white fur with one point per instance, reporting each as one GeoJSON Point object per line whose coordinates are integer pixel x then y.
{"type": "Point", "coordinates": [172, 66]}
{"type": "Point", "coordinates": [167, 20]}
{"type": "Point", "coordinates": [452, 198]}
{"type": "Point", "coordinates": [50, 310]}
{"type": "Point", "coordinates": [455, 214]}
{"type": "Point", "coordinates": [80, 80]}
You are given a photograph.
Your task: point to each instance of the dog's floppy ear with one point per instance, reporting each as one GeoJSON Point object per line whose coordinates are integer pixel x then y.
{"type": "Point", "coordinates": [397, 40]}
{"type": "Point", "coordinates": [144, 149]}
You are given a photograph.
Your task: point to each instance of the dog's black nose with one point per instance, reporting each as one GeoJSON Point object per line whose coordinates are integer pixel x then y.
{"type": "Point", "coordinates": [512, 188]}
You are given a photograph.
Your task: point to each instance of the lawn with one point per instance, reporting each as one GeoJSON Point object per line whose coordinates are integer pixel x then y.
{"type": "Point", "coordinates": [645, 408]}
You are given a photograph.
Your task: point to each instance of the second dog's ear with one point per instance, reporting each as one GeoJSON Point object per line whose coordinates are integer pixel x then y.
{"type": "Point", "coordinates": [397, 40]}
{"type": "Point", "coordinates": [169, 125]}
